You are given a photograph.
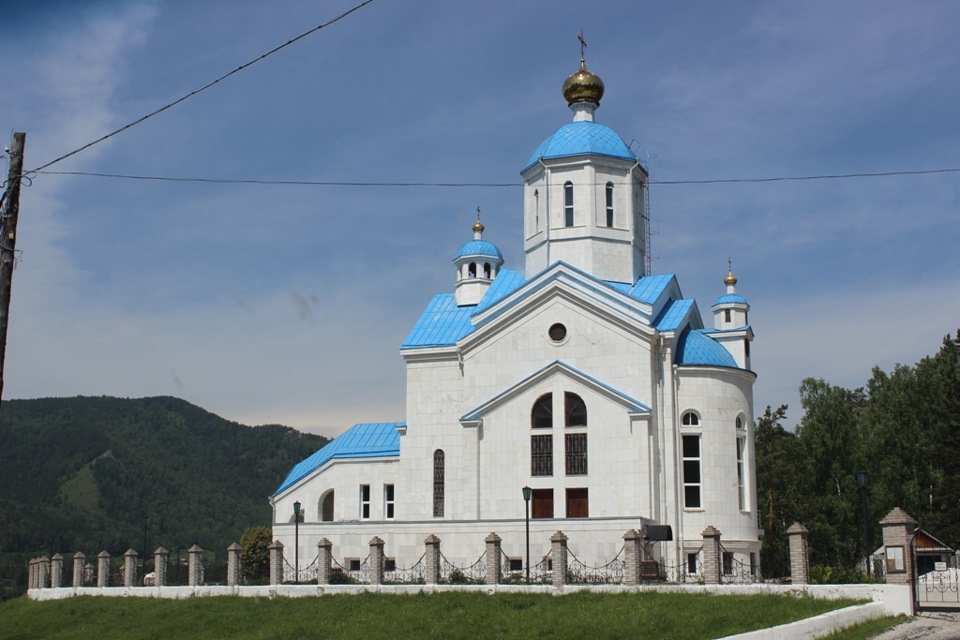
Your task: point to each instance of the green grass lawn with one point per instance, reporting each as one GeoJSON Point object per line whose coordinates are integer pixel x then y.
{"type": "Point", "coordinates": [451, 615]}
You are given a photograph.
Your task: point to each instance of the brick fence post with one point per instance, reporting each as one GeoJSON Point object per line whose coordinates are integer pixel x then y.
{"type": "Point", "coordinates": [78, 561]}
{"type": "Point", "coordinates": [43, 577]}
{"type": "Point", "coordinates": [194, 566]}
{"type": "Point", "coordinates": [494, 568]}
{"type": "Point", "coordinates": [233, 564]}
{"type": "Point", "coordinates": [711, 555]}
{"type": "Point", "coordinates": [32, 574]}
{"type": "Point", "coordinates": [632, 555]}
{"type": "Point", "coordinates": [160, 558]}
{"type": "Point", "coordinates": [324, 561]}
{"type": "Point", "coordinates": [376, 560]}
{"type": "Point", "coordinates": [276, 562]}
{"type": "Point", "coordinates": [130, 568]}
{"type": "Point", "coordinates": [56, 571]}
{"type": "Point", "coordinates": [898, 531]}
{"type": "Point", "coordinates": [103, 569]}
{"type": "Point", "coordinates": [799, 555]}
{"type": "Point", "coordinates": [558, 552]}
{"type": "Point", "coordinates": [431, 573]}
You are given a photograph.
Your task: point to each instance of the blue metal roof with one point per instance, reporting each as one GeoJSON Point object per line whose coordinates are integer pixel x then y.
{"type": "Point", "coordinates": [442, 323]}
{"type": "Point", "coordinates": [582, 138]}
{"type": "Point", "coordinates": [730, 298]}
{"type": "Point", "coordinates": [649, 288]}
{"type": "Point", "coordinates": [479, 248]}
{"type": "Point", "coordinates": [672, 315]}
{"type": "Point", "coordinates": [365, 440]}
{"type": "Point", "coordinates": [506, 282]}
{"type": "Point", "coordinates": [696, 348]}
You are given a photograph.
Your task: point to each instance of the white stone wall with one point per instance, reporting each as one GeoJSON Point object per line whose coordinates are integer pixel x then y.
{"type": "Point", "coordinates": [719, 396]}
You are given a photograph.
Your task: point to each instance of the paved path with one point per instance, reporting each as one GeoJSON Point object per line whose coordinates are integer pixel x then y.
{"type": "Point", "coordinates": [926, 626]}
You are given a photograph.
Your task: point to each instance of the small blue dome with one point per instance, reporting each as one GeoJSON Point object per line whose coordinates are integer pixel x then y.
{"type": "Point", "coordinates": [730, 298]}
{"type": "Point", "coordinates": [695, 348]}
{"type": "Point", "coordinates": [479, 248]}
{"type": "Point", "coordinates": [582, 138]}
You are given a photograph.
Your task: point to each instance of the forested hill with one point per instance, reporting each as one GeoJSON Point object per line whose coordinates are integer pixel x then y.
{"type": "Point", "coordinates": [82, 474]}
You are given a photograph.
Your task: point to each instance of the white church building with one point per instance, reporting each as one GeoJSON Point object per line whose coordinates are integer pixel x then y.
{"type": "Point", "coordinates": [580, 376]}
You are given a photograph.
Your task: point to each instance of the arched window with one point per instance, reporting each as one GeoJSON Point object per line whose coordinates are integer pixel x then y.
{"type": "Point", "coordinates": [568, 204]}
{"type": "Point", "coordinates": [542, 415]}
{"type": "Point", "coordinates": [690, 419]}
{"type": "Point", "coordinates": [609, 204]}
{"type": "Point", "coordinates": [740, 423]}
{"type": "Point", "coordinates": [438, 483]}
{"type": "Point", "coordinates": [472, 270]}
{"type": "Point", "coordinates": [486, 270]}
{"type": "Point", "coordinates": [575, 410]}
{"type": "Point", "coordinates": [326, 507]}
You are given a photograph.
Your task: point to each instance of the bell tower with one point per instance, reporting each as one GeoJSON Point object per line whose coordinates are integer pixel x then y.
{"type": "Point", "coordinates": [585, 193]}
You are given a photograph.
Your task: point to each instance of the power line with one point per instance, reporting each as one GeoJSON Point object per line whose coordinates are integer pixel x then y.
{"type": "Point", "coordinates": [835, 176]}
{"type": "Point", "coordinates": [311, 183]}
{"type": "Point", "coordinates": [205, 87]}
{"type": "Point", "coordinates": [488, 185]}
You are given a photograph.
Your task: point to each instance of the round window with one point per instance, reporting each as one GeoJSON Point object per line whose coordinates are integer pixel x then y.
{"type": "Point", "coordinates": [557, 332]}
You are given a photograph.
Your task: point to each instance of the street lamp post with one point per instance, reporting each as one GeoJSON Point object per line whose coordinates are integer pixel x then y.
{"type": "Point", "coordinates": [862, 481]}
{"type": "Point", "coordinates": [296, 541]}
{"type": "Point", "coordinates": [527, 493]}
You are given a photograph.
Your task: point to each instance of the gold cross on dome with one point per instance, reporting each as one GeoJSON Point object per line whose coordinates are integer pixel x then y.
{"type": "Point", "coordinates": [583, 43]}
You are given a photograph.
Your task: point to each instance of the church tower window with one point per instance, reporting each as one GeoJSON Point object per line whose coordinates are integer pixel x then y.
{"type": "Point", "coordinates": [609, 204]}
{"type": "Point", "coordinates": [438, 483]}
{"type": "Point", "coordinates": [690, 419]}
{"type": "Point", "coordinates": [568, 204]}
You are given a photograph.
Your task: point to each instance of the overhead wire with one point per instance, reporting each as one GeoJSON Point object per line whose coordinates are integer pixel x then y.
{"type": "Point", "coordinates": [490, 185]}
{"type": "Point", "coordinates": [203, 88]}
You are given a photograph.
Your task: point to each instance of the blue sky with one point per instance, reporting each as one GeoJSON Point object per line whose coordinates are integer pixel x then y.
{"type": "Point", "coordinates": [283, 304]}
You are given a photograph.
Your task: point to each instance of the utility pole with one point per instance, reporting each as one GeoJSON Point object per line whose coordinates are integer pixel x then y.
{"type": "Point", "coordinates": [8, 240]}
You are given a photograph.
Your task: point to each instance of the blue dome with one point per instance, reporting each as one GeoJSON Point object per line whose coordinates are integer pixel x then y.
{"type": "Point", "coordinates": [730, 298]}
{"type": "Point", "coordinates": [582, 138]}
{"type": "Point", "coordinates": [479, 248]}
{"type": "Point", "coordinates": [695, 348]}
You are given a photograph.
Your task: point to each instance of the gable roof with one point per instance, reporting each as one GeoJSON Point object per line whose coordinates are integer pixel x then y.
{"type": "Point", "coordinates": [632, 405]}
{"type": "Point", "coordinates": [364, 440]}
{"type": "Point", "coordinates": [443, 323]}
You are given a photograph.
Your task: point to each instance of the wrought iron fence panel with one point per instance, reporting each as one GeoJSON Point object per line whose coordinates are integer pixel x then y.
{"type": "Point", "coordinates": [407, 575]}
{"type": "Point", "coordinates": [542, 572]}
{"type": "Point", "coordinates": [343, 575]}
{"type": "Point", "coordinates": [475, 573]}
{"type": "Point", "coordinates": [579, 572]}
{"type": "Point", "coordinates": [736, 571]}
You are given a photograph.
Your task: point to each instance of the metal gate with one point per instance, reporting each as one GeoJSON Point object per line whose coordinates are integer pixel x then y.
{"type": "Point", "coordinates": [936, 587]}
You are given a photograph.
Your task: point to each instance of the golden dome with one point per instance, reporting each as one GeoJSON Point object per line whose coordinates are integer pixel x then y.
{"type": "Point", "coordinates": [730, 280]}
{"type": "Point", "coordinates": [583, 86]}
{"type": "Point", "coordinates": [478, 226]}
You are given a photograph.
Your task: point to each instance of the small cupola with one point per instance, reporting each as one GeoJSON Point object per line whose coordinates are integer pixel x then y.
{"type": "Point", "coordinates": [730, 310]}
{"type": "Point", "coordinates": [478, 262]}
